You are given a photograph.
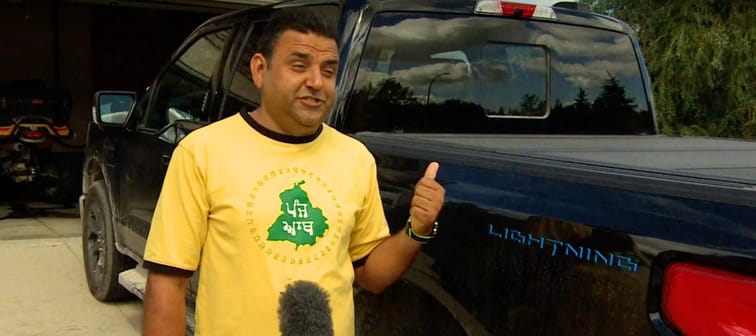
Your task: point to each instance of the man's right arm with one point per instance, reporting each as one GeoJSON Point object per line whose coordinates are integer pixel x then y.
{"type": "Point", "coordinates": [165, 305]}
{"type": "Point", "coordinates": [174, 244]}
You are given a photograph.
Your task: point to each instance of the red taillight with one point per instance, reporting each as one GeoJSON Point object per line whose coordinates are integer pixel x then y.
{"type": "Point", "coordinates": [32, 134]}
{"type": "Point", "coordinates": [61, 130]}
{"type": "Point", "coordinates": [517, 9]}
{"type": "Point", "coordinates": [37, 101]}
{"type": "Point", "coordinates": [6, 130]}
{"type": "Point", "coordinates": [699, 300]}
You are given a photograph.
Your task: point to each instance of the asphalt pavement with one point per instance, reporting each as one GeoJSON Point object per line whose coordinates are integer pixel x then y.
{"type": "Point", "coordinates": [43, 288]}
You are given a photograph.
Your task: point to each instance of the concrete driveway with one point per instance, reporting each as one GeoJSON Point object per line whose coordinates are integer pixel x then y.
{"type": "Point", "coordinates": [43, 288]}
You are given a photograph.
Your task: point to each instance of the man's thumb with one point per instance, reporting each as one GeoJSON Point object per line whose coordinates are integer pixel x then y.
{"type": "Point", "coordinates": [432, 170]}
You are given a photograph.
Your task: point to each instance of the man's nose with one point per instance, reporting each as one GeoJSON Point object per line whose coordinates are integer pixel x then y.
{"type": "Point", "coordinates": [314, 79]}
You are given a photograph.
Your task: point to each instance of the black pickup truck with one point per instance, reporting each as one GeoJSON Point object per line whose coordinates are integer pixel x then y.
{"type": "Point", "coordinates": [566, 212]}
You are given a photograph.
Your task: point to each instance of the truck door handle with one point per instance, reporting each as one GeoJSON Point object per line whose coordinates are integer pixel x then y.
{"type": "Point", "coordinates": [165, 159]}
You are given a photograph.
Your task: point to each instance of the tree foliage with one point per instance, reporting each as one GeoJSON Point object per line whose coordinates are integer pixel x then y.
{"type": "Point", "coordinates": [391, 91]}
{"type": "Point", "coordinates": [701, 56]}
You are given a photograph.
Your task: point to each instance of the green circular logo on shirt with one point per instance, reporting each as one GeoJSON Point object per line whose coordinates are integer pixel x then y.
{"type": "Point", "coordinates": [301, 232]}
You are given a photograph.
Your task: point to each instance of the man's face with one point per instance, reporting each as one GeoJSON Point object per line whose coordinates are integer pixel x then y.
{"type": "Point", "coordinates": [298, 82]}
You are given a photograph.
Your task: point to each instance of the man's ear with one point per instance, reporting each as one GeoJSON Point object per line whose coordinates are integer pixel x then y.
{"type": "Point", "coordinates": [257, 65]}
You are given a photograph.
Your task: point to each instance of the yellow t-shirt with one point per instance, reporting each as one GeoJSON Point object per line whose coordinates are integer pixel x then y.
{"type": "Point", "coordinates": [255, 214]}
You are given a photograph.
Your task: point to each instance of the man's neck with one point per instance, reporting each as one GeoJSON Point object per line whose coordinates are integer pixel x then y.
{"type": "Point", "coordinates": [261, 116]}
{"type": "Point", "coordinates": [269, 127]}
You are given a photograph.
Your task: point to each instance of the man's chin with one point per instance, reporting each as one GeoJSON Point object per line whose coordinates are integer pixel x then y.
{"type": "Point", "coordinates": [311, 118]}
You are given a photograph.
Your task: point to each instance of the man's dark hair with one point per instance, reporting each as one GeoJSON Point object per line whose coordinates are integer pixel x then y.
{"type": "Point", "coordinates": [300, 19]}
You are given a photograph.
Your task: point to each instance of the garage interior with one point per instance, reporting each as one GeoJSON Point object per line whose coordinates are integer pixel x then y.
{"type": "Point", "coordinates": [83, 46]}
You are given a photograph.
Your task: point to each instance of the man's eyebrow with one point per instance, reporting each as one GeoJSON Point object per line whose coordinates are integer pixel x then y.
{"type": "Point", "coordinates": [299, 54]}
{"type": "Point", "coordinates": [332, 61]}
{"type": "Point", "coordinates": [304, 56]}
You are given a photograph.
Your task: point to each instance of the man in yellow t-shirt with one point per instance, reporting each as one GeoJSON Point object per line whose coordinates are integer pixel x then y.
{"type": "Point", "coordinates": [263, 199]}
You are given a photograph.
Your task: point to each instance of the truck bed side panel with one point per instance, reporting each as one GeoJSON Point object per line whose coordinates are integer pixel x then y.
{"type": "Point", "coordinates": [526, 253]}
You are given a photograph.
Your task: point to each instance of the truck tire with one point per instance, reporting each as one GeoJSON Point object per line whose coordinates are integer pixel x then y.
{"type": "Point", "coordinates": [102, 262]}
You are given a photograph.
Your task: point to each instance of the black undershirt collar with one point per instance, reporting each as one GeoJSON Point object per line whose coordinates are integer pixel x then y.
{"type": "Point", "coordinates": [278, 136]}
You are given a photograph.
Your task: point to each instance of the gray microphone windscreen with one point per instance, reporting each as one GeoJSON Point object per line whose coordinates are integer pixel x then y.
{"type": "Point", "coordinates": [304, 310]}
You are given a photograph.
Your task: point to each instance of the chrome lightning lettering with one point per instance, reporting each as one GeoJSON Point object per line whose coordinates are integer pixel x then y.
{"type": "Point", "coordinates": [562, 248]}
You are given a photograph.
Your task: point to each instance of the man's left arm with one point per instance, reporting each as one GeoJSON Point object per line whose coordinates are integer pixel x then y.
{"type": "Point", "coordinates": [394, 255]}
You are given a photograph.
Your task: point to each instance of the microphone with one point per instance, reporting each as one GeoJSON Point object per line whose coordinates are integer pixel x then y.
{"type": "Point", "coordinates": [303, 310]}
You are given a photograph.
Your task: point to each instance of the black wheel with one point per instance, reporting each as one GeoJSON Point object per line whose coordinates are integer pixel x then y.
{"type": "Point", "coordinates": [102, 262]}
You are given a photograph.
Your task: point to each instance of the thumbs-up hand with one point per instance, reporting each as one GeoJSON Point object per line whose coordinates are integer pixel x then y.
{"type": "Point", "coordinates": [427, 201]}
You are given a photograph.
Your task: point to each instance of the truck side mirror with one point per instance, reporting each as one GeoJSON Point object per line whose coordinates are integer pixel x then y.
{"type": "Point", "coordinates": [112, 108]}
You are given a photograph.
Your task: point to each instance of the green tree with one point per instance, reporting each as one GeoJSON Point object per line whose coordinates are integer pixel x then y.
{"type": "Point", "coordinates": [392, 91]}
{"type": "Point", "coordinates": [612, 98]}
{"type": "Point", "coordinates": [613, 108]}
{"type": "Point", "coordinates": [582, 102]}
{"type": "Point", "coordinates": [700, 55]}
{"type": "Point", "coordinates": [531, 105]}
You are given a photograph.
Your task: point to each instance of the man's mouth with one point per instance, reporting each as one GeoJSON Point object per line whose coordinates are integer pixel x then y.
{"type": "Point", "coordinates": [311, 101]}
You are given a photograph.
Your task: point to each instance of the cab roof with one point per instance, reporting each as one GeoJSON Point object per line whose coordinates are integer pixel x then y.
{"type": "Point", "coordinates": [568, 12]}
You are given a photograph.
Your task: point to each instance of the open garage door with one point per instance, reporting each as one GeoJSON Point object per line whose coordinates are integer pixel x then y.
{"type": "Point", "coordinates": [82, 46]}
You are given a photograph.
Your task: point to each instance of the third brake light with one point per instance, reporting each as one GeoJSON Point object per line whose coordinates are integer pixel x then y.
{"type": "Point", "coordinates": [515, 9]}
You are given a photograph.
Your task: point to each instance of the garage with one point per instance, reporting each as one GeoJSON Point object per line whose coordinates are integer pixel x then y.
{"type": "Point", "coordinates": [57, 53]}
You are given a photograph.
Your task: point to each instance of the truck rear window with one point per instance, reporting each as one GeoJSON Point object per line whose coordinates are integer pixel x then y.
{"type": "Point", "coordinates": [470, 74]}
